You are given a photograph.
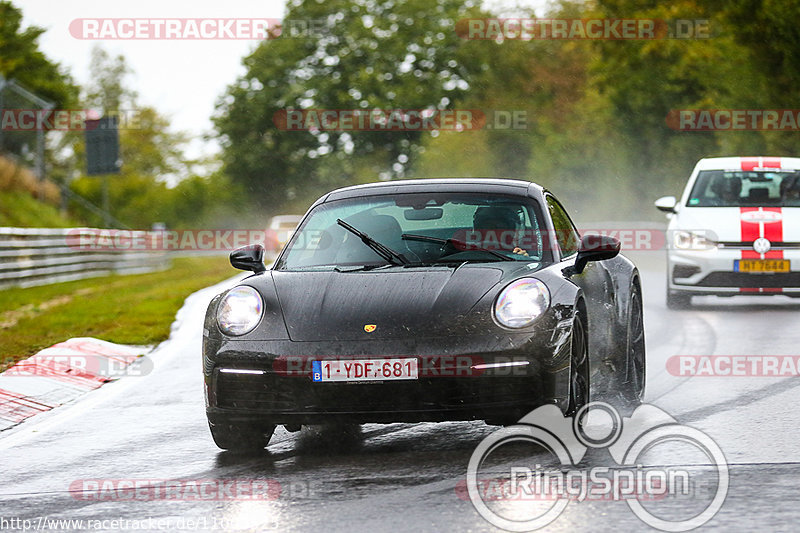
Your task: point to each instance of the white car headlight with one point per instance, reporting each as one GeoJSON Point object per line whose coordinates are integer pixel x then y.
{"type": "Point", "coordinates": [521, 303]}
{"type": "Point", "coordinates": [240, 311]}
{"type": "Point", "coordinates": [690, 240]}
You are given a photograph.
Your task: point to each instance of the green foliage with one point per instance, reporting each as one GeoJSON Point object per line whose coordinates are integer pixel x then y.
{"type": "Point", "coordinates": [375, 55]}
{"type": "Point", "coordinates": [20, 209]}
{"type": "Point", "coordinates": [21, 60]}
{"type": "Point", "coordinates": [597, 132]}
{"type": "Point", "coordinates": [152, 156]}
{"type": "Point", "coordinates": [133, 309]}
{"type": "Point", "coordinates": [596, 129]}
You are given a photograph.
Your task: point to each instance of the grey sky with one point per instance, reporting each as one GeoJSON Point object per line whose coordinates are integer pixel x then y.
{"type": "Point", "coordinates": [182, 79]}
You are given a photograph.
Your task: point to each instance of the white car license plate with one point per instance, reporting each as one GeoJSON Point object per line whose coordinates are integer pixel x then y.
{"type": "Point", "coordinates": [763, 265]}
{"type": "Point", "coordinates": [365, 369]}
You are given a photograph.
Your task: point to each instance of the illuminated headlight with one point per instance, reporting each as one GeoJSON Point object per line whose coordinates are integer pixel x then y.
{"type": "Point", "coordinates": [239, 311]}
{"type": "Point", "coordinates": [689, 240]}
{"type": "Point", "coordinates": [521, 303]}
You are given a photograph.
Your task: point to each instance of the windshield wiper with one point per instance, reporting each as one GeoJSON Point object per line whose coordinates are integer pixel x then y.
{"type": "Point", "coordinates": [453, 242]}
{"type": "Point", "coordinates": [394, 258]}
{"type": "Point", "coordinates": [362, 268]}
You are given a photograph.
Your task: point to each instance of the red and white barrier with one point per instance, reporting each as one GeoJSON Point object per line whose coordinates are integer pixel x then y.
{"type": "Point", "coordinates": [59, 374]}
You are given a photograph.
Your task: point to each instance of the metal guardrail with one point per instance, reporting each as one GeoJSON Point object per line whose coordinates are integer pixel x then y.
{"type": "Point", "coordinates": [40, 256]}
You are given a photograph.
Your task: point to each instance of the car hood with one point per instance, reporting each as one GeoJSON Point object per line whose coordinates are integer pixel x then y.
{"type": "Point", "coordinates": [399, 302]}
{"type": "Point", "coordinates": [735, 224]}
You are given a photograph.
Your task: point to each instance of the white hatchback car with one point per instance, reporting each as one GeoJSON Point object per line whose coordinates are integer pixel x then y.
{"type": "Point", "coordinates": [735, 230]}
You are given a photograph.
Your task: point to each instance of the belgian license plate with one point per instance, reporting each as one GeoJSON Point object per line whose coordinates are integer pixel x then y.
{"type": "Point", "coordinates": [365, 369]}
{"type": "Point", "coordinates": [762, 265]}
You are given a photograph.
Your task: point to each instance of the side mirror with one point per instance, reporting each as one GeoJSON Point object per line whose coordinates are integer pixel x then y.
{"type": "Point", "coordinates": [666, 204]}
{"type": "Point", "coordinates": [249, 258]}
{"type": "Point", "coordinates": [595, 248]}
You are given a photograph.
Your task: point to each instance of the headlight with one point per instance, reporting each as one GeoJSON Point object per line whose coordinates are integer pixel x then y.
{"type": "Point", "coordinates": [240, 311]}
{"type": "Point", "coordinates": [521, 303]}
{"type": "Point", "coordinates": [690, 240]}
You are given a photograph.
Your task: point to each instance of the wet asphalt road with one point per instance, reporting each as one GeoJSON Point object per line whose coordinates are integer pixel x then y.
{"type": "Point", "coordinates": [399, 477]}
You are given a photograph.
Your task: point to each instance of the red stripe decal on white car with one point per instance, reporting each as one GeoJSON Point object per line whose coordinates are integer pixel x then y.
{"type": "Point", "coordinates": [751, 163]}
{"type": "Point", "coordinates": [754, 227]}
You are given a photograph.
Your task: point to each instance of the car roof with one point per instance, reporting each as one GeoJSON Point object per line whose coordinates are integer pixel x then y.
{"type": "Point", "coordinates": [286, 218]}
{"type": "Point", "coordinates": [479, 185]}
{"type": "Point", "coordinates": [740, 163]}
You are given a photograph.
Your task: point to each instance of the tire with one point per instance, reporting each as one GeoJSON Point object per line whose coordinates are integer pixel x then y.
{"type": "Point", "coordinates": [678, 300]}
{"type": "Point", "coordinates": [241, 438]}
{"type": "Point", "coordinates": [631, 384]}
{"type": "Point", "coordinates": [579, 366]}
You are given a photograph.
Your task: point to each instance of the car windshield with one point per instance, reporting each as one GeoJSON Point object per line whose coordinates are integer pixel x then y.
{"type": "Point", "coordinates": [718, 188]}
{"type": "Point", "coordinates": [441, 228]}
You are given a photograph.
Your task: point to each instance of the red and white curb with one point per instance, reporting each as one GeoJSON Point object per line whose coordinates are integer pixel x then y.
{"type": "Point", "coordinates": [60, 374]}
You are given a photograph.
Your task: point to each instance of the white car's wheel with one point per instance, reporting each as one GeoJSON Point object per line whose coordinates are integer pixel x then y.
{"type": "Point", "coordinates": [678, 300]}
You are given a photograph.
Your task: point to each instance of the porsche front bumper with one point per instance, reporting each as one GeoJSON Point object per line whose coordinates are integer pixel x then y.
{"type": "Point", "coordinates": [494, 378]}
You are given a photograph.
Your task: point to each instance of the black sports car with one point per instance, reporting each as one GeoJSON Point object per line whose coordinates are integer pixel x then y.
{"type": "Point", "coordinates": [422, 300]}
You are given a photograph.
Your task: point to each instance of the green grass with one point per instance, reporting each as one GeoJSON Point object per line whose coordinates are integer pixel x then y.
{"type": "Point", "coordinates": [133, 309]}
{"type": "Point", "coordinates": [20, 209]}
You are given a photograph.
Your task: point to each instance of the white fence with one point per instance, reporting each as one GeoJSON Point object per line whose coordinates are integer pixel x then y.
{"type": "Point", "coordinates": [38, 256]}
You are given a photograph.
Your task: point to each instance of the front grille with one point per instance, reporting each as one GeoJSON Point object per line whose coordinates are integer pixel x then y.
{"type": "Point", "coordinates": [270, 393]}
{"type": "Point", "coordinates": [748, 245]}
{"type": "Point", "coordinates": [751, 281]}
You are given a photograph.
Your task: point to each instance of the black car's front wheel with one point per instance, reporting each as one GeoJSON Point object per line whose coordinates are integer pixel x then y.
{"type": "Point", "coordinates": [579, 366]}
{"type": "Point", "coordinates": [240, 437]}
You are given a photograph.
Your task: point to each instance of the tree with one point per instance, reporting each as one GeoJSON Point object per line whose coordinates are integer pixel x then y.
{"type": "Point", "coordinates": [393, 55]}
{"type": "Point", "coordinates": [151, 154]}
{"type": "Point", "coordinates": [22, 61]}
{"type": "Point", "coordinates": [106, 90]}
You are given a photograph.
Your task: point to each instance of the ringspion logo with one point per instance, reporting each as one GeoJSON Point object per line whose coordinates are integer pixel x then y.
{"type": "Point", "coordinates": [545, 492]}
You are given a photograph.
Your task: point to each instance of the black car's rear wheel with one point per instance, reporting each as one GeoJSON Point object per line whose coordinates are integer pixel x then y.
{"type": "Point", "coordinates": [632, 381]}
{"type": "Point", "coordinates": [579, 366]}
{"type": "Point", "coordinates": [240, 437]}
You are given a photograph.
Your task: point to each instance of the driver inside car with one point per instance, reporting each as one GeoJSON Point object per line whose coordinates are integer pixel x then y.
{"type": "Point", "coordinates": [496, 220]}
{"type": "Point", "coordinates": [727, 190]}
{"type": "Point", "coordinates": [790, 190]}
